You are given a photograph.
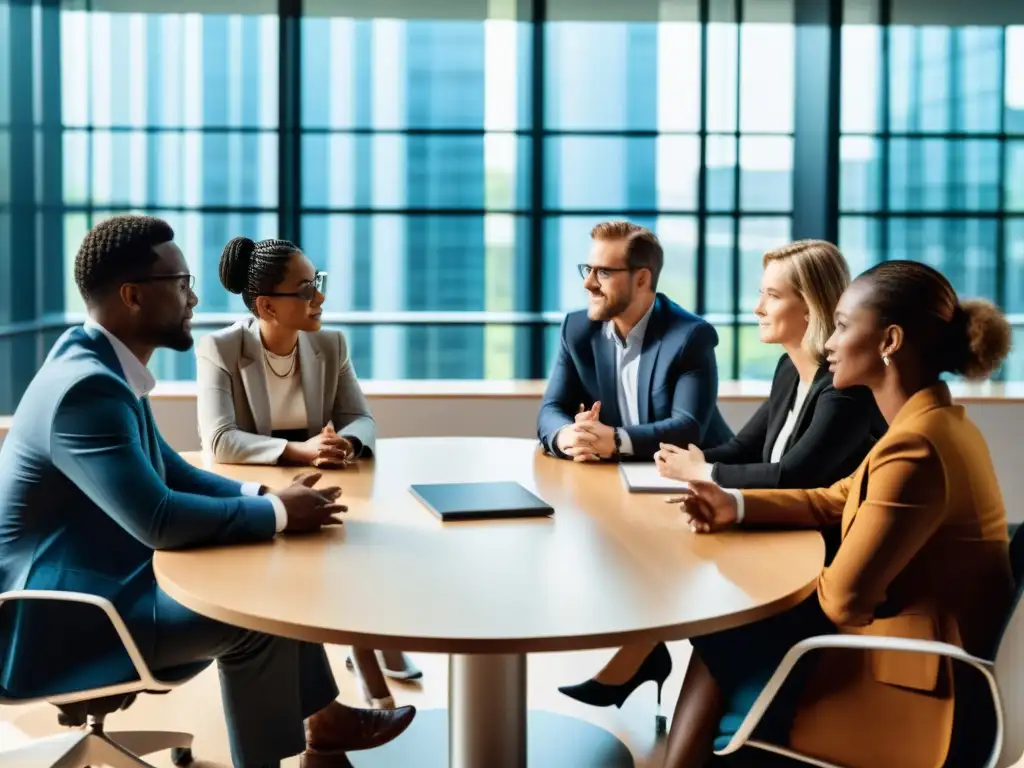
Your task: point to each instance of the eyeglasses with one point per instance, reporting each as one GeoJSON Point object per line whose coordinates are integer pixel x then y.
{"type": "Point", "coordinates": [306, 291]}
{"type": "Point", "coordinates": [603, 273]}
{"type": "Point", "coordinates": [186, 280]}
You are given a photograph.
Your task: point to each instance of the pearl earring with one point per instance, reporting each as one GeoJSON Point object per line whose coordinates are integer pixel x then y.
{"type": "Point", "coordinates": [885, 360]}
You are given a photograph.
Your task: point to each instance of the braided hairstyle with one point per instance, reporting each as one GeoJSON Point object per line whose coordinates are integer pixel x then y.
{"type": "Point", "coordinates": [116, 250]}
{"type": "Point", "coordinates": [969, 338]}
{"type": "Point", "coordinates": [254, 268]}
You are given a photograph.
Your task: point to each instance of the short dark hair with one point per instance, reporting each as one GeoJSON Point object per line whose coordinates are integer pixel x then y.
{"type": "Point", "coordinates": [116, 250]}
{"type": "Point", "coordinates": [643, 249]}
{"type": "Point", "coordinates": [254, 268]}
{"type": "Point", "coordinates": [970, 338]}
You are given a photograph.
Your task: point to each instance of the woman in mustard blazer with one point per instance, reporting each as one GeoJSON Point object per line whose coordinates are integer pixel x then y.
{"type": "Point", "coordinates": [923, 553]}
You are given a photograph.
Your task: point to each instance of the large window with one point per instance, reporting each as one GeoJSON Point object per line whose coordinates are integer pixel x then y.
{"type": "Point", "coordinates": [445, 161]}
{"type": "Point", "coordinates": [416, 172]}
{"type": "Point", "coordinates": [685, 127]}
{"type": "Point", "coordinates": [445, 164]}
{"type": "Point", "coordinates": [932, 153]}
{"type": "Point", "coordinates": [176, 115]}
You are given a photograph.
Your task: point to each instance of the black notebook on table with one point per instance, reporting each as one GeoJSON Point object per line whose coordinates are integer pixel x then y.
{"type": "Point", "coordinates": [480, 501]}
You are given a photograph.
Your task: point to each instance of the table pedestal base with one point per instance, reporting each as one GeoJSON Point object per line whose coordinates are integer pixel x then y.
{"type": "Point", "coordinates": [553, 741]}
{"type": "Point", "coordinates": [487, 726]}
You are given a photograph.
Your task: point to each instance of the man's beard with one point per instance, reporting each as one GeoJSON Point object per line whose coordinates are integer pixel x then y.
{"type": "Point", "coordinates": [611, 309]}
{"type": "Point", "coordinates": [176, 338]}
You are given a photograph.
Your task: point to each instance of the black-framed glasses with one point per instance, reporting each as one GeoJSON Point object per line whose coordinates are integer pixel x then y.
{"type": "Point", "coordinates": [186, 280]}
{"type": "Point", "coordinates": [306, 291]}
{"type": "Point", "coordinates": [603, 273]}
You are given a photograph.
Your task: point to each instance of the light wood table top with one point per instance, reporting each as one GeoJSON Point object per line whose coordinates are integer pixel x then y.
{"type": "Point", "coordinates": [609, 567]}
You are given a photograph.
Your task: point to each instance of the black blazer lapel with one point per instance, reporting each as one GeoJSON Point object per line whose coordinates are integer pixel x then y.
{"type": "Point", "coordinates": [780, 400]}
{"type": "Point", "coordinates": [781, 409]}
{"type": "Point", "coordinates": [818, 383]}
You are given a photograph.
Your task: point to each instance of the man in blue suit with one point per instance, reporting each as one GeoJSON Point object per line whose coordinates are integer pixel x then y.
{"type": "Point", "coordinates": [635, 369]}
{"type": "Point", "coordinates": [89, 490]}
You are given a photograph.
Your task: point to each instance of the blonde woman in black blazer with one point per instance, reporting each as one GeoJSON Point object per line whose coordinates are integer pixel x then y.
{"type": "Point", "coordinates": [807, 434]}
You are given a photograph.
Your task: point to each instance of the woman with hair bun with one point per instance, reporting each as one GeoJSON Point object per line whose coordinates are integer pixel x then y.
{"type": "Point", "coordinates": [276, 389]}
{"type": "Point", "coordinates": [924, 552]}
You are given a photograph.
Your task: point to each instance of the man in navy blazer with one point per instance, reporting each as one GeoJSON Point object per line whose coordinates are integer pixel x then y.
{"type": "Point", "coordinates": [89, 490]}
{"type": "Point", "coordinates": [635, 369]}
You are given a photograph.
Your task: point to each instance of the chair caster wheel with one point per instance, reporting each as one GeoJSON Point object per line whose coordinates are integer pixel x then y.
{"type": "Point", "coordinates": [181, 756]}
{"type": "Point", "coordinates": [660, 725]}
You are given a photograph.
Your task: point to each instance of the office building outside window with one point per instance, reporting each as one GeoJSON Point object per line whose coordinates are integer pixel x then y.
{"type": "Point", "coordinates": [445, 164]}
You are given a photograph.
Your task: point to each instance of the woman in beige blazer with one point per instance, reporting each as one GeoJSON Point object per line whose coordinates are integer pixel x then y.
{"type": "Point", "coordinates": [277, 389]}
{"type": "Point", "coordinates": [923, 555]}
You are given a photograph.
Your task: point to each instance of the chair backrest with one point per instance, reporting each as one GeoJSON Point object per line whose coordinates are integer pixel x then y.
{"type": "Point", "coordinates": [1010, 662]}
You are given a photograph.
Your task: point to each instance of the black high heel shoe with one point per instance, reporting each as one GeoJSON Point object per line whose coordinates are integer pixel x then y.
{"type": "Point", "coordinates": [657, 667]}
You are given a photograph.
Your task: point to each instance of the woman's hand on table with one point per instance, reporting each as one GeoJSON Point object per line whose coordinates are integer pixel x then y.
{"type": "Point", "coordinates": [706, 506]}
{"type": "Point", "coordinates": [334, 451]}
{"type": "Point", "coordinates": [681, 463]}
{"type": "Point", "coordinates": [324, 450]}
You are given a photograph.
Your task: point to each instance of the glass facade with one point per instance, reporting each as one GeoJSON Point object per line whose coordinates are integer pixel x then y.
{"type": "Point", "coordinates": [445, 164]}
{"type": "Point", "coordinates": [932, 126]}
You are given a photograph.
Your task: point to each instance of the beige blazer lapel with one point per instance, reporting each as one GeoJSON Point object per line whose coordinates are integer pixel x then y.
{"type": "Point", "coordinates": [311, 372]}
{"type": "Point", "coordinates": [254, 379]}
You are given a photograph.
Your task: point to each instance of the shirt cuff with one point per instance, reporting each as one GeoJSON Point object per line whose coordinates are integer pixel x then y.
{"type": "Point", "coordinates": [251, 489]}
{"type": "Point", "coordinates": [738, 495]}
{"type": "Point", "coordinates": [625, 444]}
{"type": "Point", "coordinates": [280, 513]}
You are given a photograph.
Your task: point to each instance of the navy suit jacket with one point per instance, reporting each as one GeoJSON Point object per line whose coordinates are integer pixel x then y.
{"type": "Point", "coordinates": [677, 382]}
{"type": "Point", "coordinates": [88, 490]}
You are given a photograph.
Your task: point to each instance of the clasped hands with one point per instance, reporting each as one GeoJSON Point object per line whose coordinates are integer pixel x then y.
{"type": "Point", "coordinates": [587, 439]}
{"type": "Point", "coordinates": [328, 450]}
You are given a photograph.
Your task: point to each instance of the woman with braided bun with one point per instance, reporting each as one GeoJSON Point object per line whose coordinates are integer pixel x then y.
{"type": "Point", "coordinates": [923, 554]}
{"type": "Point", "coordinates": [276, 389]}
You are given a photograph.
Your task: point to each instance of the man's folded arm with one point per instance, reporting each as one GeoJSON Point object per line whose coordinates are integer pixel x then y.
{"type": "Point", "coordinates": [182, 476]}
{"type": "Point", "coordinates": [95, 441]}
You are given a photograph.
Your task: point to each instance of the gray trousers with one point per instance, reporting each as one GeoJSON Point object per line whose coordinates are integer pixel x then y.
{"type": "Point", "coordinates": [269, 685]}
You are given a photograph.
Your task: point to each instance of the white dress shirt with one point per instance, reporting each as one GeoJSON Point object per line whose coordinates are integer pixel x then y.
{"type": "Point", "coordinates": [142, 383]}
{"type": "Point", "coordinates": [627, 370]}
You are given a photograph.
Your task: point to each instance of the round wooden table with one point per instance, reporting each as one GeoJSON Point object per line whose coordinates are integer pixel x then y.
{"type": "Point", "coordinates": [608, 568]}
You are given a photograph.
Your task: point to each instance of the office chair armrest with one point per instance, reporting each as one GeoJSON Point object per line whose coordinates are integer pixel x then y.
{"type": "Point", "coordinates": [867, 643]}
{"type": "Point", "coordinates": [141, 668]}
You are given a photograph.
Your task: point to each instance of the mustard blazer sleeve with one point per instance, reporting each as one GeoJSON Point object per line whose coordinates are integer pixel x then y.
{"type": "Point", "coordinates": [796, 508]}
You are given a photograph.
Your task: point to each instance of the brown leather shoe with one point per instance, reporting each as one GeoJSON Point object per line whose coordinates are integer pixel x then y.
{"type": "Point", "coordinates": [338, 729]}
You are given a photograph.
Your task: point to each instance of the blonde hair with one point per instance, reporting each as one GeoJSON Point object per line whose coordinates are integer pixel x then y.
{"type": "Point", "coordinates": [820, 274]}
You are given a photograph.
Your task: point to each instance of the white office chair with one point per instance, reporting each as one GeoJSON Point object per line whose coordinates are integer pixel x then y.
{"type": "Point", "coordinates": [1008, 699]}
{"type": "Point", "coordinates": [93, 745]}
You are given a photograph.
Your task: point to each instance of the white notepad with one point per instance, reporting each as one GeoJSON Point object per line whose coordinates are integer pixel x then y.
{"type": "Point", "coordinates": [644, 478]}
